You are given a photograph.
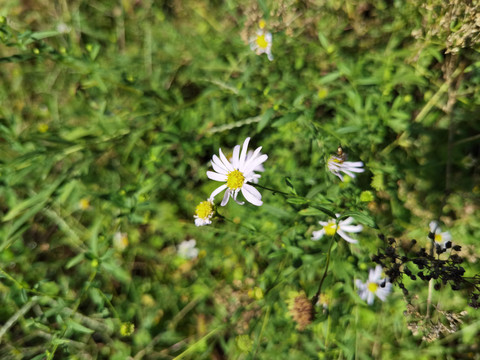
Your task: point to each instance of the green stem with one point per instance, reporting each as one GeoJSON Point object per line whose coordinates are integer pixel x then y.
{"type": "Point", "coordinates": [276, 191]}
{"type": "Point", "coordinates": [317, 295]}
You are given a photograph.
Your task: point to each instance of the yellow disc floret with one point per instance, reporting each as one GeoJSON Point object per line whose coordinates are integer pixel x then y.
{"type": "Point", "coordinates": [235, 179]}
{"type": "Point", "coordinates": [438, 238]}
{"type": "Point", "coordinates": [262, 42]}
{"type": "Point", "coordinates": [336, 159]}
{"type": "Point", "coordinates": [262, 24]}
{"type": "Point", "coordinates": [204, 209]}
{"type": "Point", "coordinates": [372, 287]}
{"type": "Point", "coordinates": [330, 228]}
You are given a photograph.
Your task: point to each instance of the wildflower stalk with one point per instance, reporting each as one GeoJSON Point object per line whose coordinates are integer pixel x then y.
{"type": "Point", "coordinates": [317, 295]}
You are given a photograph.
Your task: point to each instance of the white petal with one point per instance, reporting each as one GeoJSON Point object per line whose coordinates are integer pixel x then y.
{"type": "Point", "coordinates": [252, 195]}
{"type": "Point", "coordinates": [370, 298]}
{"type": "Point", "coordinates": [243, 155]}
{"type": "Point", "coordinates": [434, 226]}
{"type": "Point", "coordinates": [353, 163]}
{"type": "Point", "coordinates": [351, 228]}
{"type": "Point", "coordinates": [218, 169]}
{"type": "Point", "coordinates": [235, 154]}
{"type": "Point", "coordinates": [217, 191]}
{"type": "Point", "coordinates": [226, 197]}
{"type": "Point", "coordinates": [234, 194]}
{"type": "Point", "coordinates": [346, 237]}
{"type": "Point", "coordinates": [317, 235]}
{"type": "Point", "coordinates": [446, 237]}
{"type": "Point", "coordinates": [252, 155]}
{"type": "Point", "coordinates": [256, 162]}
{"type": "Point", "coordinates": [352, 175]}
{"type": "Point", "coordinates": [359, 284]}
{"type": "Point", "coordinates": [219, 163]}
{"type": "Point", "coordinates": [216, 176]}
{"type": "Point", "coordinates": [347, 221]}
{"type": "Point", "coordinates": [225, 161]}
{"type": "Point", "coordinates": [375, 274]}
{"type": "Point", "coordinates": [382, 293]}
{"type": "Point", "coordinates": [354, 169]}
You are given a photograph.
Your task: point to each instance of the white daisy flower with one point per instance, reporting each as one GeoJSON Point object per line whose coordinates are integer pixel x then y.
{"type": "Point", "coordinates": [237, 174]}
{"type": "Point", "coordinates": [203, 213]}
{"type": "Point", "coordinates": [331, 228]}
{"type": "Point", "coordinates": [120, 241]}
{"type": "Point", "coordinates": [337, 164]}
{"type": "Point", "coordinates": [440, 238]}
{"type": "Point", "coordinates": [187, 249]}
{"type": "Point", "coordinates": [375, 285]}
{"type": "Point", "coordinates": [262, 42]}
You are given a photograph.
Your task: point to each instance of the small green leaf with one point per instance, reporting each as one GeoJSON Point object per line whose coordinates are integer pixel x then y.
{"type": "Point", "coordinates": [361, 218]}
{"type": "Point", "coordinates": [74, 261]}
{"type": "Point", "coordinates": [78, 327]}
{"type": "Point", "coordinates": [290, 185]}
{"type": "Point", "coordinates": [264, 120]}
{"type": "Point", "coordinates": [297, 200]}
{"type": "Point", "coordinates": [317, 211]}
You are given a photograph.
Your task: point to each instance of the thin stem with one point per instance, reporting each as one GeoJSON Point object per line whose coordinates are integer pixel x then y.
{"type": "Point", "coordinates": [429, 298]}
{"type": "Point", "coordinates": [317, 295]}
{"type": "Point", "coordinates": [275, 191]}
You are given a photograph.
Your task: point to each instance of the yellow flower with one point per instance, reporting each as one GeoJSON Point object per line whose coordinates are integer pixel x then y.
{"type": "Point", "coordinates": [203, 213]}
{"type": "Point", "coordinates": [84, 204]}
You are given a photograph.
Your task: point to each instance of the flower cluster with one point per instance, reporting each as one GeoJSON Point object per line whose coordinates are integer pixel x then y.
{"type": "Point", "coordinates": [430, 266]}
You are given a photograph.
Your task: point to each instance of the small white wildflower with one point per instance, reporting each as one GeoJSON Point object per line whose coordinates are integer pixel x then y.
{"type": "Point", "coordinates": [375, 285]}
{"type": "Point", "coordinates": [237, 174]}
{"type": "Point", "coordinates": [120, 241]}
{"type": "Point", "coordinates": [63, 28]}
{"type": "Point", "coordinates": [203, 213]}
{"type": "Point", "coordinates": [262, 42]}
{"type": "Point", "coordinates": [187, 249]}
{"type": "Point", "coordinates": [440, 238]}
{"type": "Point", "coordinates": [331, 228]}
{"type": "Point", "coordinates": [337, 164]}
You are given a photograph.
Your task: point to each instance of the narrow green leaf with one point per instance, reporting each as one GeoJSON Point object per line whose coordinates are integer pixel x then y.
{"type": "Point", "coordinates": [265, 119]}
{"type": "Point", "coordinates": [296, 200]}
{"type": "Point", "coordinates": [74, 261]}
{"type": "Point", "coordinates": [290, 185]}
{"type": "Point", "coordinates": [361, 218]}
{"type": "Point", "coordinates": [37, 199]}
{"type": "Point", "coordinates": [75, 326]}
{"type": "Point", "coordinates": [317, 211]}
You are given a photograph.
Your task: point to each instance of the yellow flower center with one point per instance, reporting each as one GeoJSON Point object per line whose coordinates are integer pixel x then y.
{"type": "Point", "coordinates": [330, 228]}
{"type": "Point", "coordinates": [204, 209]}
{"type": "Point", "coordinates": [438, 238]}
{"type": "Point", "coordinates": [262, 42]}
{"type": "Point", "coordinates": [336, 159]}
{"type": "Point", "coordinates": [84, 204]}
{"type": "Point", "coordinates": [235, 179]}
{"type": "Point", "coordinates": [372, 287]}
{"type": "Point", "coordinates": [124, 241]}
{"type": "Point", "coordinates": [262, 24]}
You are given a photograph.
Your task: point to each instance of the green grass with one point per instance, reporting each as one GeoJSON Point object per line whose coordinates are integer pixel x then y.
{"type": "Point", "coordinates": [121, 105]}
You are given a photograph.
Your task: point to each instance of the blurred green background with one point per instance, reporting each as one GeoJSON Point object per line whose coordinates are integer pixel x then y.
{"type": "Point", "coordinates": [110, 113]}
